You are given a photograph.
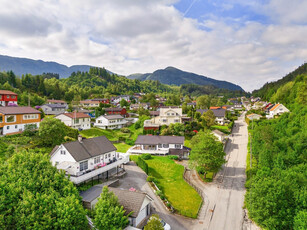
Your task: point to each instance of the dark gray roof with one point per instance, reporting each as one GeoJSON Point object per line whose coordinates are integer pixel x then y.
{"type": "Point", "coordinates": [113, 109]}
{"type": "Point", "coordinates": [55, 106]}
{"type": "Point", "coordinates": [217, 112]}
{"type": "Point", "coordinates": [109, 117]}
{"type": "Point", "coordinates": [89, 148]}
{"type": "Point", "coordinates": [132, 201]}
{"type": "Point", "coordinates": [142, 139]}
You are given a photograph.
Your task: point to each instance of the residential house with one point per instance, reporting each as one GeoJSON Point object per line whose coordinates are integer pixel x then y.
{"type": "Point", "coordinates": [86, 159]}
{"type": "Point", "coordinates": [192, 104]}
{"type": "Point", "coordinates": [219, 114]}
{"type": "Point", "coordinates": [89, 103]}
{"type": "Point", "coordinates": [53, 109]}
{"type": "Point", "coordinates": [138, 106]}
{"type": "Point", "coordinates": [75, 120]}
{"type": "Point", "coordinates": [154, 113]}
{"type": "Point", "coordinates": [168, 115]}
{"type": "Point", "coordinates": [110, 122]}
{"type": "Point", "coordinates": [116, 100]}
{"type": "Point", "coordinates": [160, 145]}
{"type": "Point", "coordinates": [14, 119]}
{"type": "Point", "coordinates": [135, 202]}
{"type": "Point", "coordinates": [277, 110]}
{"type": "Point", "coordinates": [116, 111]}
{"type": "Point", "coordinates": [219, 135]}
{"type": "Point", "coordinates": [102, 100]}
{"type": "Point", "coordinates": [57, 102]}
{"type": "Point", "coordinates": [8, 98]}
{"type": "Point", "coordinates": [253, 116]}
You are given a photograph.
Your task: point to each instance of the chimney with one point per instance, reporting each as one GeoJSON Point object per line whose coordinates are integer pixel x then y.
{"type": "Point", "coordinates": [80, 138]}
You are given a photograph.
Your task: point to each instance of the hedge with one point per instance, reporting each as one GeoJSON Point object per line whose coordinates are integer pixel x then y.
{"type": "Point", "coordinates": [142, 164]}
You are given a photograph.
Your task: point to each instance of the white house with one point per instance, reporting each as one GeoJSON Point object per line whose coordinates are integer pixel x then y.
{"type": "Point", "coordinates": [138, 106]}
{"type": "Point", "coordinates": [219, 114]}
{"type": "Point", "coordinates": [219, 135]}
{"type": "Point", "coordinates": [160, 145]}
{"type": "Point", "coordinates": [137, 203]}
{"type": "Point", "coordinates": [168, 115]}
{"type": "Point", "coordinates": [53, 109]}
{"type": "Point", "coordinates": [253, 116]}
{"type": "Point", "coordinates": [85, 159]}
{"type": "Point", "coordinates": [110, 122]}
{"type": "Point", "coordinates": [75, 120]}
{"type": "Point", "coordinates": [276, 110]}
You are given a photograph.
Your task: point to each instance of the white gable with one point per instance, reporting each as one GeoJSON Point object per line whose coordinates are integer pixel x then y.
{"type": "Point", "coordinates": [58, 157]}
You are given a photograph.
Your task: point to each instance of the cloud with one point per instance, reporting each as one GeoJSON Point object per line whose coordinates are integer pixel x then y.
{"type": "Point", "coordinates": [129, 36]}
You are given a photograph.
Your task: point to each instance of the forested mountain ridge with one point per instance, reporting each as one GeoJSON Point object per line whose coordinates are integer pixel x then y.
{"type": "Point", "coordinates": [277, 183]}
{"type": "Point", "coordinates": [22, 66]}
{"type": "Point", "coordinates": [267, 91]}
{"type": "Point", "coordinates": [173, 76]}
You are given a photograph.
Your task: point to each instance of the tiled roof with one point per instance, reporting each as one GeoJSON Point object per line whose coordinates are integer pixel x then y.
{"type": "Point", "coordinates": [56, 101]}
{"type": "Point", "coordinates": [274, 107]}
{"type": "Point", "coordinates": [89, 102]}
{"type": "Point", "coordinates": [217, 112]}
{"type": "Point", "coordinates": [89, 148]}
{"type": "Point", "coordinates": [18, 110]}
{"type": "Point", "coordinates": [76, 115]}
{"type": "Point", "coordinates": [110, 117]}
{"type": "Point", "coordinates": [8, 92]}
{"type": "Point", "coordinates": [55, 106]}
{"type": "Point", "coordinates": [143, 139]}
{"type": "Point", "coordinates": [113, 109]}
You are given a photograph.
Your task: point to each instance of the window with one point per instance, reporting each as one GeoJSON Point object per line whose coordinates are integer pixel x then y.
{"type": "Point", "coordinates": [8, 96]}
{"type": "Point", "coordinates": [83, 166]}
{"type": "Point", "coordinates": [106, 156]}
{"type": "Point", "coordinates": [173, 114]}
{"type": "Point", "coordinates": [177, 146]}
{"type": "Point", "coordinates": [1, 119]}
{"type": "Point", "coordinates": [63, 152]}
{"type": "Point", "coordinates": [13, 97]}
{"type": "Point", "coordinates": [168, 114]}
{"type": "Point", "coordinates": [109, 155]}
{"type": "Point", "coordinates": [159, 145]}
{"type": "Point", "coordinates": [176, 120]}
{"type": "Point", "coordinates": [164, 120]}
{"type": "Point", "coordinates": [11, 118]}
{"type": "Point", "coordinates": [96, 160]}
{"type": "Point", "coordinates": [165, 145]}
{"type": "Point", "coordinates": [7, 127]}
{"type": "Point", "coordinates": [16, 126]}
{"type": "Point", "coordinates": [30, 116]}
{"type": "Point", "coordinates": [76, 121]}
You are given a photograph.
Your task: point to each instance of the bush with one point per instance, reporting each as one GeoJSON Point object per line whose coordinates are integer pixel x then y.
{"type": "Point", "coordinates": [159, 192]}
{"type": "Point", "coordinates": [137, 125]}
{"type": "Point", "coordinates": [125, 130]}
{"type": "Point", "coordinates": [129, 142]}
{"type": "Point", "coordinates": [150, 179]}
{"type": "Point", "coordinates": [146, 156]}
{"type": "Point", "coordinates": [168, 205]}
{"type": "Point", "coordinates": [142, 164]}
{"type": "Point", "coordinates": [173, 157]}
{"type": "Point", "coordinates": [122, 139]}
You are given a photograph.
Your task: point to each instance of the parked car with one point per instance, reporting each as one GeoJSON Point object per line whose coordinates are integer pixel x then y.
{"type": "Point", "coordinates": [166, 226]}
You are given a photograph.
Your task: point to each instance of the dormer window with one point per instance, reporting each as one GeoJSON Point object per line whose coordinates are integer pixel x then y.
{"type": "Point", "coordinates": [63, 152]}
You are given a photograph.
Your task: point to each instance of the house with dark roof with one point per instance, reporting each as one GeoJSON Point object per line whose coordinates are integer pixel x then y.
{"type": "Point", "coordinates": [85, 159]}
{"type": "Point", "coordinates": [110, 122]}
{"type": "Point", "coordinates": [137, 203]}
{"type": "Point", "coordinates": [15, 119]}
{"type": "Point", "coordinates": [8, 98]}
{"type": "Point", "coordinates": [160, 145]}
{"type": "Point", "coordinates": [53, 109]}
{"type": "Point", "coordinates": [277, 110]}
{"type": "Point", "coordinates": [75, 120]}
{"type": "Point", "coordinates": [219, 114]}
{"type": "Point", "coordinates": [57, 102]}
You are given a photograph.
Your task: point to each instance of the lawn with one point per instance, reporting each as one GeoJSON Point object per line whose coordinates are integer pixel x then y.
{"type": "Point", "coordinates": [122, 147]}
{"type": "Point", "coordinates": [96, 132]}
{"type": "Point", "coordinates": [169, 176]}
{"type": "Point", "coordinates": [222, 128]}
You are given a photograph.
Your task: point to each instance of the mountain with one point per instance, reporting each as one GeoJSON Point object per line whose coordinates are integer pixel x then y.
{"type": "Point", "coordinates": [25, 65]}
{"type": "Point", "coordinates": [269, 89]}
{"type": "Point", "coordinates": [173, 76]}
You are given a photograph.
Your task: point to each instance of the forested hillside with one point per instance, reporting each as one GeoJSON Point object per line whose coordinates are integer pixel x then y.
{"type": "Point", "coordinates": [277, 183]}
{"type": "Point", "coordinates": [269, 89]}
{"type": "Point", "coordinates": [80, 85]}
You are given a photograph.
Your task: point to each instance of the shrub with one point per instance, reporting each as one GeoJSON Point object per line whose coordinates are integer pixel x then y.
{"type": "Point", "coordinates": [142, 164]}
{"type": "Point", "coordinates": [137, 125]}
{"type": "Point", "coordinates": [150, 179]}
{"type": "Point", "coordinates": [129, 142]}
{"type": "Point", "coordinates": [125, 130]}
{"type": "Point", "coordinates": [173, 157]}
{"type": "Point", "coordinates": [168, 205]}
{"type": "Point", "coordinates": [159, 192]}
{"type": "Point", "coordinates": [146, 156]}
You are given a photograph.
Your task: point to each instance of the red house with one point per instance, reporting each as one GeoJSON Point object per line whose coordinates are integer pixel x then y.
{"type": "Point", "coordinates": [102, 100]}
{"type": "Point", "coordinates": [121, 111]}
{"type": "Point", "coordinates": [8, 97]}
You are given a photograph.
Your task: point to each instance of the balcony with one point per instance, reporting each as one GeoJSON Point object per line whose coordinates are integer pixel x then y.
{"type": "Point", "coordinates": [138, 150]}
{"type": "Point", "coordinates": [77, 179]}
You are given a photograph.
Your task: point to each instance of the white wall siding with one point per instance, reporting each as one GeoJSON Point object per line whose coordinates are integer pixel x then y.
{"type": "Point", "coordinates": [7, 129]}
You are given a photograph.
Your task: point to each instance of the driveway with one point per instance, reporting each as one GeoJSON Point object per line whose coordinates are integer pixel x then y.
{"type": "Point", "coordinates": [136, 178]}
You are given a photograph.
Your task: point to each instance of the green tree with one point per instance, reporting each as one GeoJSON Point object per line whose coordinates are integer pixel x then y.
{"type": "Point", "coordinates": [154, 223]}
{"type": "Point", "coordinates": [203, 102]}
{"type": "Point", "coordinates": [52, 131]}
{"type": "Point", "coordinates": [109, 214]}
{"type": "Point", "coordinates": [123, 103]}
{"type": "Point", "coordinates": [208, 119]}
{"type": "Point", "coordinates": [207, 153]}
{"type": "Point", "coordinates": [35, 195]}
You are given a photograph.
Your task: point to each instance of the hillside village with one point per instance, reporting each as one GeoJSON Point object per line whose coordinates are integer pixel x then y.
{"type": "Point", "coordinates": [111, 132]}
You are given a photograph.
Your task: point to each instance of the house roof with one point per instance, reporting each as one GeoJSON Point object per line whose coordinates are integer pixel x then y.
{"type": "Point", "coordinates": [8, 92]}
{"type": "Point", "coordinates": [254, 114]}
{"type": "Point", "coordinates": [143, 139]}
{"type": "Point", "coordinates": [217, 112]}
{"type": "Point", "coordinates": [218, 132]}
{"type": "Point", "coordinates": [113, 109]}
{"type": "Point", "coordinates": [76, 115]}
{"type": "Point", "coordinates": [18, 110]}
{"type": "Point", "coordinates": [89, 148]}
{"type": "Point", "coordinates": [154, 113]}
{"type": "Point", "coordinates": [132, 201]}
{"type": "Point", "coordinates": [56, 101]}
{"type": "Point", "coordinates": [215, 107]}
{"type": "Point", "coordinates": [110, 117]}
{"type": "Point", "coordinates": [89, 102]}
{"type": "Point", "coordinates": [274, 107]}
{"type": "Point", "coordinates": [55, 106]}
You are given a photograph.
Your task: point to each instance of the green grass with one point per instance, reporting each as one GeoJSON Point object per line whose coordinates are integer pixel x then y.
{"type": "Point", "coordinates": [220, 127]}
{"type": "Point", "coordinates": [122, 147]}
{"type": "Point", "coordinates": [96, 132]}
{"type": "Point", "coordinates": [169, 176]}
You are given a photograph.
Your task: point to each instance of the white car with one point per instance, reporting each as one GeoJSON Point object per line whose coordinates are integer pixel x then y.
{"type": "Point", "coordinates": [166, 226]}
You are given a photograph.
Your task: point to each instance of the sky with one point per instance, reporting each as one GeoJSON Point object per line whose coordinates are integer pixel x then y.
{"type": "Point", "coordinates": [244, 42]}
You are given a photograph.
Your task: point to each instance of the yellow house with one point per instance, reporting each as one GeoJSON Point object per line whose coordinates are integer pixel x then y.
{"type": "Point", "coordinates": [14, 119]}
